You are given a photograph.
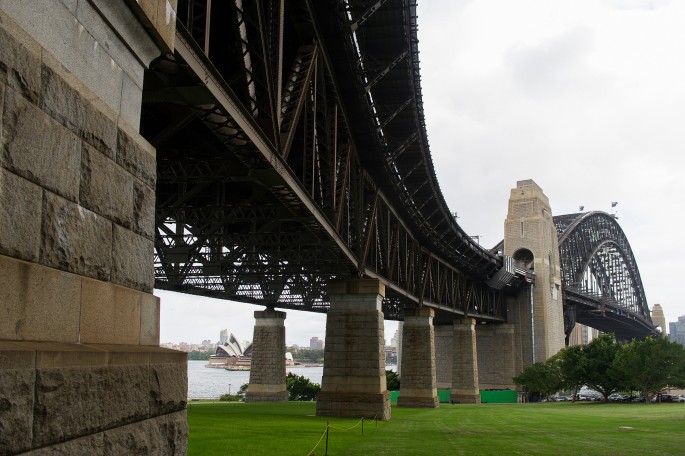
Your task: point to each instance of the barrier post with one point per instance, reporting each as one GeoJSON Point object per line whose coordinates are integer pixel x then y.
{"type": "Point", "coordinates": [328, 425]}
{"type": "Point", "coordinates": [362, 425]}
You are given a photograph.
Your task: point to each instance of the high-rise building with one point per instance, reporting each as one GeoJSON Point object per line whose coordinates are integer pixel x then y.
{"type": "Point", "coordinates": [395, 341]}
{"type": "Point", "coordinates": [659, 319]}
{"type": "Point", "coordinates": [677, 330]}
{"type": "Point", "coordinates": [315, 343]}
{"type": "Point", "coordinates": [223, 336]}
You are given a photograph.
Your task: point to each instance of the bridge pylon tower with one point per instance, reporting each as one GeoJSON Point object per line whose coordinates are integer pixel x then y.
{"type": "Point", "coordinates": [530, 237]}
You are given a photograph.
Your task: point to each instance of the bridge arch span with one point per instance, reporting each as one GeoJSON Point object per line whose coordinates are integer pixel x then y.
{"type": "Point", "coordinates": [600, 275]}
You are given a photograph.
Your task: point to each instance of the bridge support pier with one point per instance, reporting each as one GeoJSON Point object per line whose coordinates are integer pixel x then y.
{"type": "Point", "coordinates": [418, 386]}
{"type": "Point", "coordinates": [267, 372]}
{"type": "Point", "coordinates": [353, 382]}
{"type": "Point", "coordinates": [81, 370]}
{"type": "Point", "coordinates": [465, 387]}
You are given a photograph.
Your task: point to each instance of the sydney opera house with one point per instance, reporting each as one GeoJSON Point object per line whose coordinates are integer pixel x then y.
{"type": "Point", "coordinates": [231, 355]}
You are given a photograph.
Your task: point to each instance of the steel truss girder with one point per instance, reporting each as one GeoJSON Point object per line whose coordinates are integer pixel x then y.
{"type": "Point", "coordinates": [309, 210]}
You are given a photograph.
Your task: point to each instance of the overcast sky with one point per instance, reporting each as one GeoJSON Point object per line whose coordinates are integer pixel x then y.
{"type": "Point", "coordinates": [585, 97]}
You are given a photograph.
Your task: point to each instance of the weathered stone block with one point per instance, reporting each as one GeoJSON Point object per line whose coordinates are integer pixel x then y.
{"type": "Point", "coordinates": [132, 260]}
{"type": "Point", "coordinates": [164, 435]}
{"type": "Point", "coordinates": [40, 149]}
{"type": "Point", "coordinates": [75, 239]}
{"type": "Point", "coordinates": [91, 445]}
{"type": "Point", "coordinates": [136, 155]}
{"type": "Point", "coordinates": [143, 210]}
{"type": "Point", "coordinates": [68, 101]}
{"type": "Point", "coordinates": [2, 105]}
{"type": "Point", "coordinates": [149, 320]}
{"type": "Point", "coordinates": [19, 59]}
{"type": "Point", "coordinates": [59, 355]}
{"type": "Point", "coordinates": [73, 402]}
{"type": "Point", "coordinates": [173, 432]}
{"type": "Point", "coordinates": [29, 293]}
{"type": "Point", "coordinates": [166, 21]}
{"type": "Point", "coordinates": [168, 388]}
{"type": "Point", "coordinates": [16, 408]}
{"type": "Point", "coordinates": [20, 217]}
{"type": "Point", "coordinates": [110, 314]}
{"type": "Point", "coordinates": [106, 188]}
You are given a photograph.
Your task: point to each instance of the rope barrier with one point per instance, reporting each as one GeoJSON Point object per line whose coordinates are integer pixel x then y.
{"type": "Point", "coordinates": [349, 428]}
{"type": "Point", "coordinates": [317, 443]}
{"type": "Point", "coordinates": [329, 427]}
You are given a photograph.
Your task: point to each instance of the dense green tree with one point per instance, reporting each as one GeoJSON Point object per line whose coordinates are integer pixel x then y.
{"type": "Point", "coordinates": [300, 388]}
{"type": "Point", "coordinates": [571, 364]}
{"type": "Point", "coordinates": [196, 355]}
{"type": "Point", "coordinates": [600, 375]}
{"type": "Point", "coordinates": [650, 365]}
{"type": "Point", "coordinates": [392, 380]}
{"type": "Point", "coordinates": [241, 391]}
{"type": "Point", "coordinates": [540, 379]}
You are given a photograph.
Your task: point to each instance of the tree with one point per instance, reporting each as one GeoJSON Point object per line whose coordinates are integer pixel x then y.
{"type": "Point", "coordinates": [572, 367]}
{"type": "Point", "coordinates": [392, 380]}
{"type": "Point", "coordinates": [600, 374]}
{"type": "Point", "coordinates": [242, 391]}
{"type": "Point", "coordinates": [540, 379]}
{"type": "Point", "coordinates": [300, 388]}
{"type": "Point", "coordinates": [650, 365]}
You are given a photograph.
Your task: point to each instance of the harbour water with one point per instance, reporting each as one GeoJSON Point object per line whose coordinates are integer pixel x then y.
{"type": "Point", "coordinates": [210, 383]}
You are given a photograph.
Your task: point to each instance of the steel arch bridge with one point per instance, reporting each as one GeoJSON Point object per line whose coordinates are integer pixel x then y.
{"type": "Point", "coordinates": [292, 150]}
{"type": "Point", "coordinates": [601, 281]}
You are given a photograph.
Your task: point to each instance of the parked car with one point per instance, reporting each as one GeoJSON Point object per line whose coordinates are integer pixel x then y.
{"type": "Point", "coordinates": [671, 398]}
{"type": "Point", "coordinates": [615, 397]}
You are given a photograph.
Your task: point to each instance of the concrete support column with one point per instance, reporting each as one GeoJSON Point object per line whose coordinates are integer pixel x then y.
{"type": "Point", "coordinates": [267, 374]}
{"type": "Point", "coordinates": [417, 384]}
{"type": "Point", "coordinates": [353, 381]}
{"type": "Point", "coordinates": [465, 388]}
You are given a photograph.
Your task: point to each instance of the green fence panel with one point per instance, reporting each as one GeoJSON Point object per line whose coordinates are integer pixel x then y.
{"type": "Point", "coordinates": [444, 396]}
{"type": "Point", "coordinates": [499, 396]}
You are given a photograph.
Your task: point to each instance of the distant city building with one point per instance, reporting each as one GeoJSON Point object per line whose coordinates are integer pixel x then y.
{"type": "Point", "coordinates": [315, 343]}
{"type": "Point", "coordinates": [677, 330]}
{"type": "Point", "coordinates": [659, 319]}
{"type": "Point", "coordinates": [223, 336]}
{"type": "Point", "coordinates": [395, 341]}
{"type": "Point", "coordinates": [390, 354]}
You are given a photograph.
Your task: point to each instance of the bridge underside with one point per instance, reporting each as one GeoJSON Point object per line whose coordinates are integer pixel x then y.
{"type": "Point", "coordinates": [263, 195]}
{"type": "Point", "coordinates": [603, 316]}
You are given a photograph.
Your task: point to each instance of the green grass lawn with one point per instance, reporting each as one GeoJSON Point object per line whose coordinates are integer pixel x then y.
{"type": "Point", "coordinates": [487, 429]}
